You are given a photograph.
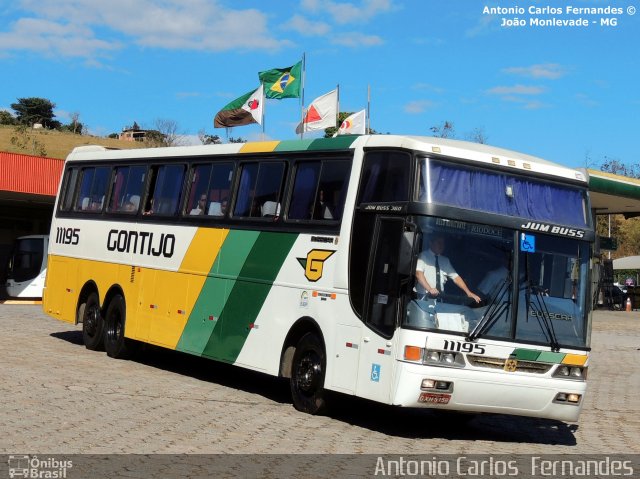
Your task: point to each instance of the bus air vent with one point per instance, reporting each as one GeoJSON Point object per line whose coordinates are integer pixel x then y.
{"type": "Point", "coordinates": [499, 363]}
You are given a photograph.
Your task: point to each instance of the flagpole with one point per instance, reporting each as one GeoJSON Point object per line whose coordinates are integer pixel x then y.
{"type": "Point", "coordinates": [264, 107]}
{"type": "Point", "coordinates": [304, 74]}
{"type": "Point", "coordinates": [368, 119]}
{"type": "Point", "coordinates": [338, 104]}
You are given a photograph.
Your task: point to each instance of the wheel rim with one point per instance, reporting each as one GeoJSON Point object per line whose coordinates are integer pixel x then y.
{"type": "Point", "coordinates": [309, 372]}
{"type": "Point", "coordinates": [91, 320]}
{"type": "Point", "coordinates": [115, 326]}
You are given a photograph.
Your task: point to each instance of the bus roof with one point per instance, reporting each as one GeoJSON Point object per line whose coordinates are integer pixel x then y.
{"type": "Point", "coordinates": [431, 145]}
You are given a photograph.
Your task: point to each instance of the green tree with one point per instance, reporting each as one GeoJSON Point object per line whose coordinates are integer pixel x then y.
{"type": "Point", "coordinates": [6, 118]}
{"type": "Point", "coordinates": [627, 231]}
{"type": "Point", "coordinates": [207, 139]}
{"type": "Point", "coordinates": [35, 110]}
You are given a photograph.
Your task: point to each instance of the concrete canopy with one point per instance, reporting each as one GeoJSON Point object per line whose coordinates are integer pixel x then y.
{"type": "Point", "coordinates": [612, 194]}
{"type": "Point", "coordinates": [628, 262]}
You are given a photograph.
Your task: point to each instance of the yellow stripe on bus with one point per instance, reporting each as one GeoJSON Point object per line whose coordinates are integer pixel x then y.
{"type": "Point", "coordinates": [176, 293]}
{"type": "Point", "coordinates": [575, 359]}
{"type": "Point", "coordinates": [259, 147]}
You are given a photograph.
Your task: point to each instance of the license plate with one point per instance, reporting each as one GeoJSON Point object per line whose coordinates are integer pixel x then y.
{"type": "Point", "coordinates": [433, 398]}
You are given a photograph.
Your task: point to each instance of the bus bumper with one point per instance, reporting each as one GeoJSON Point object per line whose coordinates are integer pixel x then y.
{"type": "Point", "coordinates": [487, 392]}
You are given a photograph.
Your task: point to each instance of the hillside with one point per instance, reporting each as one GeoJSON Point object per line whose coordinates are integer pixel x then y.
{"type": "Point", "coordinates": [51, 143]}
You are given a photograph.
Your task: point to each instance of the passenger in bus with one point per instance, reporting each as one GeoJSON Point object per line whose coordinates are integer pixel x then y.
{"type": "Point", "coordinates": [201, 207]}
{"type": "Point", "coordinates": [434, 270]}
{"type": "Point", "coordinates": [128, 207]}
{"type": "Point", "coordinates": [323, 210]}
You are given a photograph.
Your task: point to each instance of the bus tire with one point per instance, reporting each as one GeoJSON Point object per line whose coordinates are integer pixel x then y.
{"type": "Point", "coordinates": [115, 344]}
{"type": "Point", "coordinates": [90, 314]}
{"type": "Point", "coordinates": [307, 375]}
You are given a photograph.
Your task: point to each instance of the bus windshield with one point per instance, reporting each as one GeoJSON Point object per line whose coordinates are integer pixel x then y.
{"type": "Point", "coordinates": [26, 258]}
{"type": "Point", "coordinates": [495, 282]}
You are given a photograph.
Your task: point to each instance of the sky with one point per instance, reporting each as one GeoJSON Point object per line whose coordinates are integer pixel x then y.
{"type": "Point", "coordinates": [566, 93]}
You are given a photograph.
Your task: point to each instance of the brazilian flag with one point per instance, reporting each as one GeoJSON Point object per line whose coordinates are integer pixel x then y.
{"type": "Point", "coordinates": [282, 83]}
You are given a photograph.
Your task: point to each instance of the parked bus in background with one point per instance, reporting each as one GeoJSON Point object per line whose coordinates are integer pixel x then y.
{"type": "Point", "coordinates": [299, 258]}
{"type": "Point", "coordinates": [27, 267]}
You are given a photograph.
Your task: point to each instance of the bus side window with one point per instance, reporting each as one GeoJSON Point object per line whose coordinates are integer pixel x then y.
{"type": "Point", "coordinates": [332, 190]}
{"type": "Point", "coordinates": [128, 183]}
{"type": "Point", "coordinates": [385, 177]}
{"type": "Point", "coordinates": [209, 190]}
{"type": "Point", "coordinates": [93, 189]}
{"type": "Point", "coordinates": [319, 190]}
{"type": "Point", "coordinates": [165, 190]}
{"type": "Point", "coordinates": [260, 190]}
{"type": "Point", "coordinates": [69, 189]}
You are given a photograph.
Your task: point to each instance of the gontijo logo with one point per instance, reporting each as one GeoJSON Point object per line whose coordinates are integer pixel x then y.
{"type": "Point", "coordinates": [313, 264]}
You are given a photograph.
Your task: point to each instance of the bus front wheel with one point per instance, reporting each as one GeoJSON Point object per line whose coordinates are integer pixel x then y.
{"type": "Point", "coordinates": [307, 375]}
{"type": "Point", "coordinates": [92, 323]}
{"type": "Point", "coordinates": [116, 345]}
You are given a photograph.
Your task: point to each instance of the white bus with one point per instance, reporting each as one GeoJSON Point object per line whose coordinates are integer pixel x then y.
{"type": "Point", "coordinates": [27, 267]}
{"type": "Point", "coordinates": [299, 258]}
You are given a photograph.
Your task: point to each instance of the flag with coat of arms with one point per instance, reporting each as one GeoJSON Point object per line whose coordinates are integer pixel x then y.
{"type": "Point", "coordinates": [282, 83]}
{"type": "Point", "coordinates": [321, 114]}
{"type": "Point", "coordinates": [244, 110]}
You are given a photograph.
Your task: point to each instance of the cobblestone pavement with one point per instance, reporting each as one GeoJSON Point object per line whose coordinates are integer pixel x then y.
{"type": "Point", "coordinates": [58, 397]}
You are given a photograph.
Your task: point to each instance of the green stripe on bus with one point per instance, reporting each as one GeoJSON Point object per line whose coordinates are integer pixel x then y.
{"type": "Point", "coordinates": [254, 281]}
{"type": "Point", "coordinates": [338, 143]}
{"type": "Point", "coordinates": [549, 357]}
{"type": "Point", "coordinates": [525, 354]}
{"type": "Point", "coordinates": [215, 291]}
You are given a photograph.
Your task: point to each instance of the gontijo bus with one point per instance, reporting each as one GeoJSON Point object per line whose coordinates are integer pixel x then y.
{"type": "Point", "coordinates": [298, 259]}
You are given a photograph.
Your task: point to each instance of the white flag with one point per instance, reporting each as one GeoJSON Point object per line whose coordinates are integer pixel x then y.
{"type": "Point", "coordinates": [353, 124]}
{"type": "Point", "coordinates": [321, 113]}
{"type": "Point", "coordinates": [254, 104]}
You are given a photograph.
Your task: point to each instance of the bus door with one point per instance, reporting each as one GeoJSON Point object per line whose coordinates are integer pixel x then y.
{"type": "Point", "coordinates": [382, 300]}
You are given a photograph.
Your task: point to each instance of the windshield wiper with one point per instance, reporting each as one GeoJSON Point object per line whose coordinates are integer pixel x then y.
{"type": "Point", "coordinates": [542, 312]}
{"type": "Point", "coordinates": [495, 308]}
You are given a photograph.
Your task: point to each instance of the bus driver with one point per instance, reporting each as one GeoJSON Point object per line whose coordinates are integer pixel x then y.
{"type": "Point", "coordinates": [433, 270]}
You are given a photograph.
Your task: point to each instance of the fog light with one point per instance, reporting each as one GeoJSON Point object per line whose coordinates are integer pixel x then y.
{"type": "Point", "coordinates": [562, 397]}
{"type": "Point", "coordinates": [428, 384]}
{"type": "Point", "coordinates": [442, 385]}
{"type": "Point", "coordinates": [573, 398]}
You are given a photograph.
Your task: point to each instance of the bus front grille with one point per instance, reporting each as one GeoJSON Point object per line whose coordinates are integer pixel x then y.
{"type": "Point", "coordinates": [499, 363]}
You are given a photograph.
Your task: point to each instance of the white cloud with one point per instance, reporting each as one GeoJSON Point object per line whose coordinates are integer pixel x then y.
{"type": "Point", "coordinates": [549, 71]}
{"type": "Point", "coordinates": [345, 12]}
{"type": "Point", "coordinates": [83, 28]}
{"type": "Point", "coordinates": [586, 100]}
{"type": "Point", "coordinates": [356, 39]}
{"type": "Point", "coordinates": [418, 106]}
{"type": "Point", "coordinates": [305, 27]}
{"type": "Point", "coordinates": [516, 90]}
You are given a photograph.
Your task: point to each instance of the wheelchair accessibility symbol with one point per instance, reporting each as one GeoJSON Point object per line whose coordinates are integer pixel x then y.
{"type": "Point", "coordinates": [375, 373]}
{"type": "Point", "coordinates": [527, 243]}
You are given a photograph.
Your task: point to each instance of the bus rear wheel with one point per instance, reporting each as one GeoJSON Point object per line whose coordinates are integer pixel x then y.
{"type": "Point", "coordinates": [116, 345]}
{"type": "Point", "coordinates": [92, 323]}
{"type": "Point", "coordinates": [307, 375]}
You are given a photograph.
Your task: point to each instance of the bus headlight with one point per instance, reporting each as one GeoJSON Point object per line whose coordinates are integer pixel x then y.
{"type": "Point", "coordinates": [444, 358]}
{"type": "Point", "coordinates": [571, 372]}
{"type": "Point", "coordinates": [433, 356]}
